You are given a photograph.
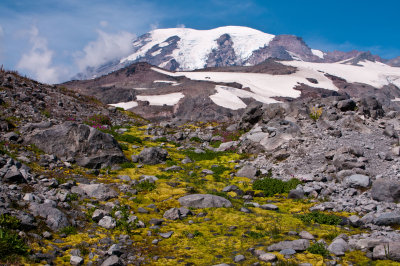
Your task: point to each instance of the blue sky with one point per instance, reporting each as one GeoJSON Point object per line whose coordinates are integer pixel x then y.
{"type": "Point", "coordinates": [51, 40]}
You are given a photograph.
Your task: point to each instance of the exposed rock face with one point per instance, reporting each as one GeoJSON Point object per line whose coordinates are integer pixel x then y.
{"type": "Point", "coordinates": [55, 218]}
{"type": "Point", "coordinates": [204, 201]}
{"type": "Point", "coordinates": [79, 143]}
{"type": "Point", "coordinates": [153, 155]}
{"type": "Point", "coordinates": [97, 191]}
{"type": "Point", "coordinates": [386, 190]}
{"type": "Point", "coordinates": [224, 55]}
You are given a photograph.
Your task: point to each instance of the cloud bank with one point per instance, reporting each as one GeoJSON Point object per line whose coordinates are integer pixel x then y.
{"type": "Point", "coordinates": [107, 47]}
{"type": "Point", "coordinates": [38, 61]}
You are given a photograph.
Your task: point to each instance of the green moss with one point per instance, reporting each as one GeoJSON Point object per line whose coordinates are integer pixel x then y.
{"type": "Point", "coordinates": [272, 186]}
{"type": "Point", "coordinates": [69, 230]}
{"type": "Point", "coordinates": [318, 248]}
{"type": "Point", "coordinates": [206, 155]}
{"type": "Point", "coordinates": [319, 217]}
{"type": "Point", "coordinates": [145, 186]}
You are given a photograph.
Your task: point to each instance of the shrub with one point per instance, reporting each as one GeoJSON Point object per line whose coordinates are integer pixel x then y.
{"type": "Point", "coordinates": [127, 138]}
{"type": "Point", "coordinates": [9, 222]}
{"type": "Point", "coordinates": [69, 230]}
{"type": "Point", "coordinates": [162, 139]}
{"type": "Point", "coordinates": [72, 197]}
{"type": "Point", "coordinates": [320, 218]}
{"type": "Point", "coordinates": [196, 139]}
{"type": "Point", "coordinates": [146, 186]}
{"type": "Point", "coordinates": [315, 113]}
{"type": "Point", "coordinates": [318, 248]}
{"type": "Point", "coordinates": [11, 244]}
{"type": "Point", "coordinates": [127, 165]}
{"type": "Point", "coordinates": [255, 235]}
{"type": "Point", "coordinates": [272, 186]}
{"type": "Point", "coordinates": [207, 155]}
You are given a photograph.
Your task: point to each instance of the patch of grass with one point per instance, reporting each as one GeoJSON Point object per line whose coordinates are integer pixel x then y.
{"type": "Point", "coordinates": [216, 144]}
{"type": "Point", "coordinates": [320, 218]}
{"type": "Point", "coordinates": [255, 235]}
{"type": "Point", "coordinates": [272, 186]}
{"type": "Point", "coordinates": [72, 197]}
{"type": "Point", "coordinates": [319, 249]}
{"type": "Point", "coordinates": [127, 138]}
{"type": "Point", "coordinates": [127, 165]}
{"type": "Point", "coordinates": [162, 139]}
{"type": "Point", "coordinates": [46, 113]}
{"type": "Point", "coordinates": [9, 222]}
{"type": "Point", "coordinates": [207, 155]}
{"type": "Point", "coordinates": [145, 186]}
{"type": "Point", "coordinates": [124, 147]}
{"type": "Point", "coordinates": [69, 230]}
{"type": "Point", "coordinates": [196, 139]}
{"type": "Point", "coordinates": [83, 249]}
{"type": "Point", "coordinates": [163, 176]}
{"type": "Point", "coordinates": [11, 244]}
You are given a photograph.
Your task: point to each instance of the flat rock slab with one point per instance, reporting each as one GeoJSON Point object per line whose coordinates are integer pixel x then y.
{"type": "Point", "coordinates": [55, 218]}
{"type": "Point", "coordinates": [298, 245]}
{"type": "Point", "coordinates": [97, 191]}
{"type": "Point", "coordinates": [204, 201]}
{"type": "Point", "coordinates": [387, 251]}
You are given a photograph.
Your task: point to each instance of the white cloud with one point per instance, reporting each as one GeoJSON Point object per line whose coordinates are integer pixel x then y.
{"type": "Point", "coordinates": [107, 47]}
{"type": "Point", "coordinates": [38, 61]}
{"type": "Point", "coordinates": [181, 26]}
{"type": "Point", "coordinates": [1, 31]}
{"type": "Point", "coordinates": [154, 26]}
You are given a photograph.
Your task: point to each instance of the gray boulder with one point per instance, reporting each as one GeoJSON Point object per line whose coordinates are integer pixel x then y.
{"type": "Point", "coordinates": [13, 175]}
{"type": "Point", "coordinates": [389, 218]}
{"type": "Point", "coordinates": [112, 261]}
{"type": "Point", "coordinates": [296, 194]}
{"type": "Point", "coordinates": [76, 260]}
{"type": "Point", "coordinates": [108, 222]}
{"type": "Point", "coordinates": [204, 201]}
{"type": "Point", "coordinates": [97, 191]}
{"type": "Point", "coordinates": [346, 105]}
{"type": "Point", "coordinates": [153, 155]}
{"type": "Point", "coordinates": [386, 251]}
{"type": "Point", "coordinates": [386, 190]}
{"type": "Point", "coordinates": [357, 181]}
{"type": "Point", "coordinates": [70, 141]}
{"type": "Point", "coordinates": [338, 247]}
{"type": "Point", "coordinates": [55, 218]}
{"type": "Point", "coordinates": [248, 171]}
{"type": "Point", "coordinates": [177, 213]}
{"type": "Point", "coordinates": [298, 245]}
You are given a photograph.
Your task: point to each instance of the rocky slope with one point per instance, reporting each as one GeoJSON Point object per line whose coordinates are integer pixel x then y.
{"type": "Point", "coordinates": [182, 49]}
{"type": "Point", "coordinates": [311, 181]}
{"type": "Point", "coordinates": [222, 93]}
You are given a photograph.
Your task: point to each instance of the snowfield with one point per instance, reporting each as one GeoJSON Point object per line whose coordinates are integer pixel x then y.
{"type": "Point", "coordinates": [265, 86]}
{"type": "Point", "coordinates": [125, 105]}
{"type": "Point", "coordinates": [167, 99]}
{"type": "Point", "coordinates": [195, 45]}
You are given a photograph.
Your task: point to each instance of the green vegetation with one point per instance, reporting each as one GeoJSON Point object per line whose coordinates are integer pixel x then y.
{"type": "Point", "coordinates": [69, 230]}
{"type": "Point", "coordinates": [72, 197]}
{"type": "Point", "coordinates": [9, 222]}
{"type": "Point", "coordinates": [272, 186]}
{"type": "Point", "coordinates": [196, 139]}
{"type": "Point", "coordinates": [11, 244]}
{"type": "Point", "coordinates": [320, 218]}
{"type": "Point", "coordinates": [127, 165]}
{"type": "Point", "coordinates": [206, 155]}
{"type": "Point", "coordinates": [318, 248]}
{"type": "Point", "coordinates": [145, 186]}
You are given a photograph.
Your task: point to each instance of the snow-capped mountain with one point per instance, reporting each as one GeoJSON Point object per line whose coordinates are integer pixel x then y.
{"type": "Point", "coordinates": [183, 49]}
{"type": "Point", "coordinates": [189, 49]}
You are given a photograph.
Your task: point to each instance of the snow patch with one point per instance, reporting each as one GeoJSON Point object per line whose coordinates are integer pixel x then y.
{"type": "Point", "coordinates": [156, 52]}
{"type": "Point", "coordinates": [167, 99]}
{"type": "Point", "coordinates": [318, 53]}
{"type": "Point", "coordinates": [125, 105]}
{"type": "Point", "coordinates": [375, 74]}
{"type": "Point", "coordinates": [165, 72]}
{"type": "Point", "coordinates": [226, 98]}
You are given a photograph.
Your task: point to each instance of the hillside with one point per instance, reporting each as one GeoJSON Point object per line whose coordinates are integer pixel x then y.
{"type": "Point", "coordinates": [313, 180]}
